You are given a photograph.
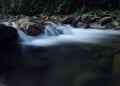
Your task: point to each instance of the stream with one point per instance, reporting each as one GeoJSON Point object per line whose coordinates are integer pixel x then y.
{"type": "Point", "coordinates": [61, 56]}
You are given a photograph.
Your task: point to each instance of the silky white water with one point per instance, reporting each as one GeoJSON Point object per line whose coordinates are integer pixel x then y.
{"type": "Point", "coordinates": [34, 65]}
{"type": "Point", "coordinates": [59, 34]}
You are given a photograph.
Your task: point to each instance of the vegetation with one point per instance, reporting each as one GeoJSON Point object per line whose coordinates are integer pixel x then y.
{"type": "Point", "coordinates": [31, 7]}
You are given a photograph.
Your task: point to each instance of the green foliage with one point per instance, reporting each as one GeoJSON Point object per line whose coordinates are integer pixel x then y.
{"type": "Point", "coordinates": [11, 6]}
{"type": "Point", "coordinates": [31, 7]}
{"type": "Point", "coordinates": [15, 6]}
{"type": "Point", "coordinates": [77, 7]}
{"type": "Point", "coordinates": [60, 5]}
{"type": "Point", "coordinates": [80, 11]}
{"type": "Point", "coordinates": [97, 11]}
{"type": "Point", "coordinates": [4, 7]}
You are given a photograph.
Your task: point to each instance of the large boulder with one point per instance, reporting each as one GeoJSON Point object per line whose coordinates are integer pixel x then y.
{"type": "Point", "coordinates": [7, 34]}
{"type": "Point", "coordinates": [36, 29]}
{"type": "Point", "coordinates": [105, 20]}
{"type": "Point", "coordinates": [69, 20]}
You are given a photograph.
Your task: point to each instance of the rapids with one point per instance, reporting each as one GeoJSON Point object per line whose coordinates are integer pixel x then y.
{"type": "Point", "coordinates": [62, 34]}
{"type": "Point", "coordinates": [61, 56]}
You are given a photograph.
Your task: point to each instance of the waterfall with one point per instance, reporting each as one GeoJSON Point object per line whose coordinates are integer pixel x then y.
{"type": "Point", "coordinates": [38, 61]}
{"type": "Point", "coordinates": [64, 33]}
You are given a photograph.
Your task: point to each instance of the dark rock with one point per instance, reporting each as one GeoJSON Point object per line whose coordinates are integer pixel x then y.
{"type": "Point", "coordinates": [105, 20]}
{"type": "Point", "coordinates": [82, 25]}
{"type": "Point", "coordinates": [68, 20]}
{"type": "Point", "coordinates": [109, 26]}
{"type": "Point", "coordinates": [96, 26]}
{"type": "Point", "coordinates": [43, 20]}
{"type": "Point", "coordinates": [94, 19]}
{"type": "Point", "coordinates": [117, 28]}
{"type": "Point", "coordinates": [7, 34]}
{"type": "Point", "coordinates": [118, 19]}
{"type": "Point", "coordinates": [85, 18]}
{"type": "Point", "coordinates": [36, 29]}
{"type": "Point", "coordinates": [115, 23]}
{"type": "Point", "coordinates": [105, 15]}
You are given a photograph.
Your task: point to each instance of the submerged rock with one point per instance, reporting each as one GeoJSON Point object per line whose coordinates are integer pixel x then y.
{"type": "Point", "coordinates": [7, 34]}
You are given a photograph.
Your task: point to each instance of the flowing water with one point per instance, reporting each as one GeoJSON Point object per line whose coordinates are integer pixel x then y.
{"type": "Point", "coordinates": [61, 56]}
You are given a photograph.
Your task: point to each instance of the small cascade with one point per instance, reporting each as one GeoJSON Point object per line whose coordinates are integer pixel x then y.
{"type": "Point", "coordinates": [52, 31]}
{"type": "Point", "coordinates": [59, 34]}
{"type": "Point", "coordinates": [39, 62]}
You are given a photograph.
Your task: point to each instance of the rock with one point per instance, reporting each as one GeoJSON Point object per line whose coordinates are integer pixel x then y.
{"type": "Point", "coordinates": [105, 20]}
{"type": "Point", "coordinates": [82, 25]}
{"type": "Point", "coordinates": [109, 26]}
{"type": "Point", "coordinates": [85, 18]}
{"type": "Point", "coordinates": [68, 20]}
{"type": "Point", "coordinates": [54, 17]}
{"type": "Point", "coordinates": [96, 26]}
{"type": "Point", "coordinates": [118, 19]}
{"type": "Point", "coordinates": [105, 15]}
{"type": "Point", "coordinates": [115, 23]}
{"type": "Point", "coordinates": [23, 25]}
{"type": "Point", "coordinates": [7, 34]}
{"type": "Point", "coordinates": [43, 20]}
{"type": "Point", "coordinates": [93, 19]}
{"type": "Point", "coordinates": [117, 28]}
{"type": "Point", "coordinates": [36, 29]}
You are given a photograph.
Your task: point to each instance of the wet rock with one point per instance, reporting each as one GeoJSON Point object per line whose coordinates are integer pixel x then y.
{"type": "Point", "coordinates": [82, 25]}
{"type": "Point", "coordinates": [105, 15]}
{"type": "Point", "coordinates": [43, 20]}
{"type": "Point", "coordinates": [7, 34]}
{"type": "Point", "coordinates": [78, 19]}
{"type": "Point", "coordinates": [85, 18]}
{"type": "Point", "coordinates": [54, 17]}
{"type": "Point", "coordinates": [22, 25]}
{"type": "Point", "coordinates": [109, 26]}
{"type": "Point", "coordinates": [68, 20]}
{"type": "Point", "coordinates": [38, 20]}
{"type": "Point", "coordinates": [118, 19]}
{"type": "Point", "coordinates": [36, 29]}
{"type": "Point", "coordinates": [105, 20]}
{"type": "Point", "coordinates": [117, 28]}
{"type": "Point", "coordinates": [115, 23]}
{"type": "Point", "coordinates": [96, 26]}
{"type": "Point", "coordinates": [92, 20]}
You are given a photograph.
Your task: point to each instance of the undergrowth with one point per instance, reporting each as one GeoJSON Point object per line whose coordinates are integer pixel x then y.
{"type": "Point", "coordinates": [75, 7]}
